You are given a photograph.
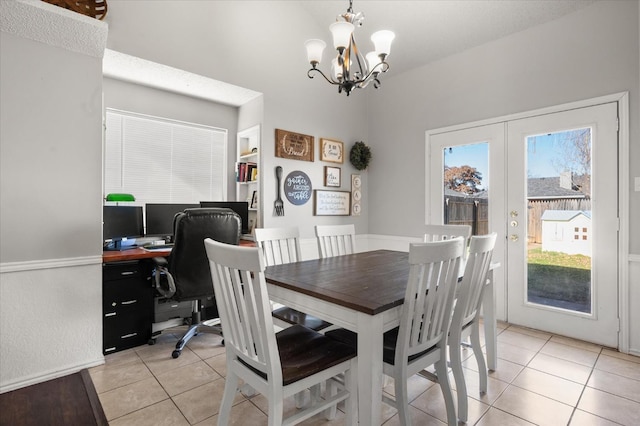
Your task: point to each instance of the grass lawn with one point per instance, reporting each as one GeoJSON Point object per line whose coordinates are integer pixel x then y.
{"type": "Point", "coordinates": [559, 279]}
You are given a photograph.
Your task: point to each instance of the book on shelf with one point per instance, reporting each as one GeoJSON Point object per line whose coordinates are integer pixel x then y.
{"type": "Point", "coordinates": [246, 172]}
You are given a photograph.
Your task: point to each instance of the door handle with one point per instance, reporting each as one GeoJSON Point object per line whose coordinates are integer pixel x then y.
{"type": "Point", "coordinates": [513, 237]}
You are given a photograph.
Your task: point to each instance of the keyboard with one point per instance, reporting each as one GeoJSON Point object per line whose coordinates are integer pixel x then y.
{"type": "Point", "coordinates": [159, 247]}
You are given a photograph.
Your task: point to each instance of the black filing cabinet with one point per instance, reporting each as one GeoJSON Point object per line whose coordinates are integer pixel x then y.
{"type": "Point", "coordinates": [127, 305]}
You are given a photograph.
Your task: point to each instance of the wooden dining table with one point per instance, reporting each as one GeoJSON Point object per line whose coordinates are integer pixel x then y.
{"type": "Point", "coordinates": [364, 293]}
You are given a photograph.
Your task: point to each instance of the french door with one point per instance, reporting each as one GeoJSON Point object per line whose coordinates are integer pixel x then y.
{"type": "Point", "coordinates": [548, 184]}
{"type": "Point", "coordinates": [562, 223]}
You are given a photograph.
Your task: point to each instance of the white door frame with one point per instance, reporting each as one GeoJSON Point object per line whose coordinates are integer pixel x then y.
{"type": "Point", "coordinates": [622, 99]}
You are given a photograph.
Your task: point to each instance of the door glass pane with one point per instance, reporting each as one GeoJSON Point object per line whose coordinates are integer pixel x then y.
{"type": "Point", "coordinates": [559, 220]}
{"type": "Point", "coordinates": [466, 186]}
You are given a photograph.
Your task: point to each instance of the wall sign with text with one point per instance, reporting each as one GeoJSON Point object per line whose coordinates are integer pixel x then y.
{"type": "Point", "coordinates": [331, 151]}
{"type": "Point", "coordinates": [297, 188]}
{"type": "Point", "coordinates": [294, 146]}
{"type": "Point", "coordinates": [331, 203]}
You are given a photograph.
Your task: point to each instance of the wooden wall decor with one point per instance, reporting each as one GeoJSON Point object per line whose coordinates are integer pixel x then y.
{"type": "Point", "coordinates": [93, 8]}
{"type": "Point", "coordinates": [294, 146]}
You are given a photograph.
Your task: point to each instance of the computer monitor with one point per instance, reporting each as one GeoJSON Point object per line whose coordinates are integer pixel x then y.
{"type": "Point", "coordinates": [121, 222]}
{"type": "Point", "coordinates": [159, 218]}
{"type": "Point", "coordinates": [240, 207]}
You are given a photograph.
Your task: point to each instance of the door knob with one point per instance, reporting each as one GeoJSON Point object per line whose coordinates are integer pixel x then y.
{"type": "Point", "coordinates": [513, 237]}
{"type": "Point", "coordinates": [513, 213]}
{"type": "Point", "coordinates": [514, 223]}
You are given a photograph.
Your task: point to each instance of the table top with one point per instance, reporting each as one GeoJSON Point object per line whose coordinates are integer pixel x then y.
{"type": "Point", "coordinates": [140, 253]}
{"type": "Point", "coordinates": [370, 282]}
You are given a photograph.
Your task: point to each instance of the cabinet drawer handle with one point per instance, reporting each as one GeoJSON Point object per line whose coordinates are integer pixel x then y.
{"type": "Point", "coordinates": [127, 273]}
{"type": "Point", "coordinates": [129, 302]}
{"type": "Point", "coordinates": [126, 336]}
{"type": "Point", "coordinates": [110, 349]}
{"type": "Point", "coordinates": [111, 314]}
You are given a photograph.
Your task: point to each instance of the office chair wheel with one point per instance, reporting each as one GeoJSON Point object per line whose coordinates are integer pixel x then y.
{"type": "Point", "coordinates": [176, 353]}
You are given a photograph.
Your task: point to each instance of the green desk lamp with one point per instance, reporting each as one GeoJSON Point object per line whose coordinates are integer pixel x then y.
{"type": "Point", "coordinates": [120, 197]}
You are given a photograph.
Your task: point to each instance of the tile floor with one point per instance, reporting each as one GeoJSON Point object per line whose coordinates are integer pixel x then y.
{"type": "Point", "coordinates": [542, 379]}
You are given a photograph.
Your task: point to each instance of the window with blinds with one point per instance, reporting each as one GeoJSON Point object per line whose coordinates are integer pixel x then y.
{"type": "Point", "coordinates": [160, 160]}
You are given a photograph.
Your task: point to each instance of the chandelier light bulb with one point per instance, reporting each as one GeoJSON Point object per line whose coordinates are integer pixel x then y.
{"type": "Point", "coordinates": [341, 34]}
{"type": "Point", "coordinates": [382, 41]}
{"type": "Point", "coordinates": [373, 60]}
{"type": "Point", "coordinates": [315, 48]}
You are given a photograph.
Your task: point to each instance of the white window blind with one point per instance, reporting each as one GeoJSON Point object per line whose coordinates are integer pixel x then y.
{"type": "Point", "coordinates": [160, 160]}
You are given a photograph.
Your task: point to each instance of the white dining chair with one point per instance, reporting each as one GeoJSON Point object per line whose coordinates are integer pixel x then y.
{"type": "Point", "coordinates": [279, 246]}
{"type": "Point", "coordinates": [277, 365]}
{"type": "Point", "coordinates": [446, 232]}
{"type": "Point", "coordinates": [465, 322]}
{"type": "Point", "coordinates": [335, 240]}
{"type": "Point", "coordinates": [420, 340]}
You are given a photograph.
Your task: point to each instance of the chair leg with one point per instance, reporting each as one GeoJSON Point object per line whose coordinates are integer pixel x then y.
{"type": "Point", "coordinates": [299, 399]}
{"type": "Point", "coordinates": [276, 410]}
{"type": "Point", "coordinates": [477, 351]}
{"type": "Point", "coordinates": [332, 390]}
{"type": "Point", "coordinates": [443, 379]}
{"type": "Point", "coordinates": [402, 396]}
{"type": "Point", "coordinates": [230, 388]}
{"type": "Point", "coordinates": [461, 387]}
{"type": "Point", "coordinates": [350, 404]}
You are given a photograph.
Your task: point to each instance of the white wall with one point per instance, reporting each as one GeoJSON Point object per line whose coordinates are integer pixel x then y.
{"type": "Point", "coordinates": [50, 197]}
{"type": "Point", "coordinates": [232, 44]}
{"type": "Point", "coordinates": [587, 54]}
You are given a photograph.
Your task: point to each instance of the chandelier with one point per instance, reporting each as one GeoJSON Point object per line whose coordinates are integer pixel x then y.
{"type": "Point", "coordinates": [350, 69]}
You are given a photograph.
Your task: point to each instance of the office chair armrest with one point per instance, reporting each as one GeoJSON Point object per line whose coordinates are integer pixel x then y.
{"type": "Point", "coordinates": [164, 283]}
{"type": "Point", "coordinates": [161, 261]}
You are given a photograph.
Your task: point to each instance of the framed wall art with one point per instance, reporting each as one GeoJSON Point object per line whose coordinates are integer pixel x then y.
{"type": "Point", "coordinates": [332, 176]}
{"type": "Point", "coordinates": [331, 203]}
{"type": "Point", "coordinates": [294, 146]}
{"type": "Point", "coordinates": [331, 151]}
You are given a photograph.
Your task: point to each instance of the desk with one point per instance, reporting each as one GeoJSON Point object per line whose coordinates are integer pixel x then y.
{"type": "Point", "coordinates": [133, 314]}
{"type": "Point", "coordinates": [362, 292]}
{"type": "Point", "coordinates": [140, 253]}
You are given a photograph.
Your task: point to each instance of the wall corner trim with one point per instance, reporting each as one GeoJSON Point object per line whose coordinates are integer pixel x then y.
{"type": "Point", "coordinates": [54, 25]}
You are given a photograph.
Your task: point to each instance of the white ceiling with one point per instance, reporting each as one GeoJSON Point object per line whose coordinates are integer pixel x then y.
{"type": "Point", "coordinates": [428, 30]}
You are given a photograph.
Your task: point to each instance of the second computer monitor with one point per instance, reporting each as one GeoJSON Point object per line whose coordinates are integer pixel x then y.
{"type": "Point", "coordinates": [240, 207]}
{"type": "Point", "coordinates": [159, 218]}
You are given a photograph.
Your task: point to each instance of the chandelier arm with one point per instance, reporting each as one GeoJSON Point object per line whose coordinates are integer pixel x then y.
{"type": "Point", "coordinates": [373, 73]}
{"type": "Point", "coordinates": [322, 74]}
{"type": "Point", "coordinates": [362, 64]}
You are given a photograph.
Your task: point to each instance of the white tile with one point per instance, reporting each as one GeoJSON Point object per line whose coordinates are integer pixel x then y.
{"type": "Point", "coordinates": [553, 387]}
{"type": "Point", "coordinates": [610, 407]}
{"type": "Point", "coordinates": [615, 384]}
{"type": "Point", "coordinates": [578, 373]}
{"type": "Point", "coordinates": [619, 366]}
{"type": "Point", "coordinates": [570, 353]}
{"type": "Point", "coordinates": [532, 407]}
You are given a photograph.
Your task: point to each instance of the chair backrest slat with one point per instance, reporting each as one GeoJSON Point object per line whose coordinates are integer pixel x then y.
{"type": "Point", "coordinates": [447, 232]}
{"type": "Point", "coordinates": [245, 311]}
{"type": "Point", "coordinates": [335, 240]}
{"type": "Point", "coordinates": [471, 289]}
{"type": "Point", "coordinates": [279, 245]}
{"type": "Point", "coordinates": [426, 312]}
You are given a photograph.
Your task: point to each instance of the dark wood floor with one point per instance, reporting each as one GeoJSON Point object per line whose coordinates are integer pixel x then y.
{"type": "Point", "coordinates": [71, 400]}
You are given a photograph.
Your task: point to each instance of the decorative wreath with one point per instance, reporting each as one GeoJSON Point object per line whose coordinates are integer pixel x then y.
{"type": "Point", "coordinates": [360, 155]}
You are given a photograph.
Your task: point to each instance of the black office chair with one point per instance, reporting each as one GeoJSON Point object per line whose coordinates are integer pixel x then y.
{"type": "Point", "coordinates": [185, 276]}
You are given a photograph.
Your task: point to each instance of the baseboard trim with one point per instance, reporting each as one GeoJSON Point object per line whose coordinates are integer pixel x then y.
{"type": "Point", "coordinates": [33, 380]}
{"type": "Point", "coordinates": [33, 265]}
